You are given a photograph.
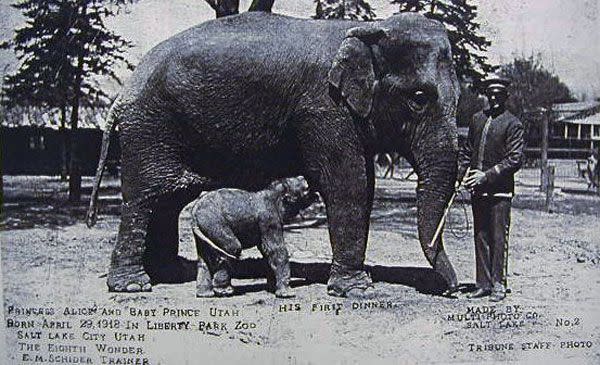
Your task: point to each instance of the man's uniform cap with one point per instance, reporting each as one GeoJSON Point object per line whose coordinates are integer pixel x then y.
{"type": "Point", "coordinates": [495, 84]}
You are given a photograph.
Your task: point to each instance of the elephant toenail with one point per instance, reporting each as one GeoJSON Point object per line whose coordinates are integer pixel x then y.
{"type": "Point", "coordinates": [361, 293]}
{"type": "Point", "coordinates": [133, 287]}
{"type": "Point", "coordinates": [205, 294]}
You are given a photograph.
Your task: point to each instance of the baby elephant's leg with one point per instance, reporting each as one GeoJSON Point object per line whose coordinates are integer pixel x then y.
{"type": "Point", "coordinates": [221, 277]}
{"type": "Point", "coordinates": [214, 245]}
{"type": "Point", "coordinates": [204, 286]}
{"type": "Point", "coordinates": [273, 249]}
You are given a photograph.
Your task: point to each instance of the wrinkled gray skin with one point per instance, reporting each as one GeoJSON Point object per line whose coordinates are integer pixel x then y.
{"type": "Point", "coordinates": [226, 221]}
{"type": "Point", "coordinates": [242, 100]}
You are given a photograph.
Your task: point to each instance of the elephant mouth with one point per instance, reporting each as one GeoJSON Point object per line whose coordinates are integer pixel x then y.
{"type": "Point", "coordinates": [295, 203]}
{"type": "Point", "coordinates": [293, 199]}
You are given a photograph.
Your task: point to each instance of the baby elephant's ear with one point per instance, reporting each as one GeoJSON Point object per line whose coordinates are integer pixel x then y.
{"type": "Point", "coordinates": [351, 72]}
{"type": "Point", "coordinates": [277, 185]}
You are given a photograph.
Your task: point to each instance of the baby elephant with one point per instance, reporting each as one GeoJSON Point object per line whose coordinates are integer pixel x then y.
{"type": "Point", "coordinates": [226, 221]}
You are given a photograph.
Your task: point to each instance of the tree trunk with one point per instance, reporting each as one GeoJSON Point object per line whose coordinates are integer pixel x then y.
{"type": "Point", "coordinates": [1, 191]}
{"type": "Point", "coordinates": [432, 7]}
{"type": "Point", "coordinates": [75, 166]}
{"type": "Point", "coordinates": [64, 165]}
{"type": "Point", "coordinates": [261, 5]}
{"type": "Point", "coordinates": [224, 7]}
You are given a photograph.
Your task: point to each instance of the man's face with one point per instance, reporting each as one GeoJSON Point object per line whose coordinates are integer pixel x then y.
{"type": "Point", "coordinates": [496, 98]}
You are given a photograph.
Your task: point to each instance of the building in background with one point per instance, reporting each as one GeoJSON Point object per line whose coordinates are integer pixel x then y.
{"type": "Point", "coordinates": [574, 130]}
{"type": "Point", "coordinates": [33, 144]}
{"type": "Point", "coordinates": [577, 122]}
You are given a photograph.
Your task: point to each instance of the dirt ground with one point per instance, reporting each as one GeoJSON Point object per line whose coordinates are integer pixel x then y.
{"type": "Point", "coordinates": [51, 259]}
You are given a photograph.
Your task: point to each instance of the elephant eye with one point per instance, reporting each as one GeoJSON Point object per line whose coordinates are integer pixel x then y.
{"type": "Point", "coordinates": [419, 99]}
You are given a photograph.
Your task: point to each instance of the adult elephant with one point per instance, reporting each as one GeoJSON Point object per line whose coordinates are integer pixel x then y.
{"type": "Point", "coordinates": [242, 100]}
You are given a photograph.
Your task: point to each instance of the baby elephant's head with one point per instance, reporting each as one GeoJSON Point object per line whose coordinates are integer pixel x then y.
{"type": "Point", "coordinates": [296, 195]}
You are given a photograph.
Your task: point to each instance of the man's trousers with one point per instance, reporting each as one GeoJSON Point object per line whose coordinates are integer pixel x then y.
{"type": "Point", "coordinates": [491, 217]}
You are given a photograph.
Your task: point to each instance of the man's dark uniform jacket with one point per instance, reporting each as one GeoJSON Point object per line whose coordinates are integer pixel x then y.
{"type": "Point", "coordinates": [496, 148]}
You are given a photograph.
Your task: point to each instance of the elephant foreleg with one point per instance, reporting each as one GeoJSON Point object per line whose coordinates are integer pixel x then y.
{"type": "Point", "coordinates": [348, 194]}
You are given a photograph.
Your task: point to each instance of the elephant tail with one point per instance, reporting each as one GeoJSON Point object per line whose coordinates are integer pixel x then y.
{"type": "Point", "coordinates": [111, 123]}
{"type": "Point", "coordinates": [207, 240]}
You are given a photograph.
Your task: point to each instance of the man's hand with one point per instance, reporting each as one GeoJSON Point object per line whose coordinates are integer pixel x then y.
{"type": "Point", "coordinates": [474, 178]}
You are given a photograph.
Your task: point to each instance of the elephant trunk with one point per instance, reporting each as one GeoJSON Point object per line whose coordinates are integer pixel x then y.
{"type": "Point", "coordinates": [436, 185]}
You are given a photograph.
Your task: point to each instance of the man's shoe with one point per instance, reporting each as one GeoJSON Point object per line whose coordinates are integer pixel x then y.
{"type": "Point", "coordinates": [479, 293]}
{"type": "Point", "coordinates": [498, 294]}
{"type": "Point", "coordinates": [451, 291]}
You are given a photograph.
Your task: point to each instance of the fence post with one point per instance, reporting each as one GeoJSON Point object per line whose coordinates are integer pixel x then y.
{"type": "Point", "coordinates": [596, 171]}
{"type": "Point", "coordinates": [544, 150]}
{"type": "Point", "coordinates": [549, 179]}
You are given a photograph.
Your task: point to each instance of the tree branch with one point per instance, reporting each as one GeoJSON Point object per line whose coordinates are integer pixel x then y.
{"type": "Point", "coordinates": [224, 7]}
{"type": "Point", "coordinates": [261, 5]}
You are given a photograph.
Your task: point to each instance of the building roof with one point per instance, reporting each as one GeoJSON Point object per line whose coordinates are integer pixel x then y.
{"type": "Point", "coordinates": [586, 112]}
{"type": "Point", "coordinates": [592, 120]}
{"type": "Point", "coordinates": [576, 106]}
{"type": "Point", "coordinates": [50, 118]}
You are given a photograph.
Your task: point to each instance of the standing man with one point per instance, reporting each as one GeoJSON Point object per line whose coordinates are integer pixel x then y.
{"type": "Point", "coordinates": [492, 154]}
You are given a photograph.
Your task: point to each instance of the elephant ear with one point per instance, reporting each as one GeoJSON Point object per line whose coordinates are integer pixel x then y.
{"type": "Point", "coordinates": [352, 71]}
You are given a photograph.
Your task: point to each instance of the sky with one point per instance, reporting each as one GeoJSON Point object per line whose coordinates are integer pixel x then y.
{"type": "Point", "coordinates": [563, 32]}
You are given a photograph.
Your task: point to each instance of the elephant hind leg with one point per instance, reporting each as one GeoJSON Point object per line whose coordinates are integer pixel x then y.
{"type": "Point", "coordinates": [161, 258]}
{"type": "Point", "coordinates": [147, 247]}
{"type": "Point", "coordinates": [127, 272]}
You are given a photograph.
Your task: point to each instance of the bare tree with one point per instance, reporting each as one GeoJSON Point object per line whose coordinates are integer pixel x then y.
{"type": "Point", "coordinates": [224, 7]}
{"type": "Point", "coordinates": [261, 5]}
{"type": "Point", "coordinates": [231, 7]}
